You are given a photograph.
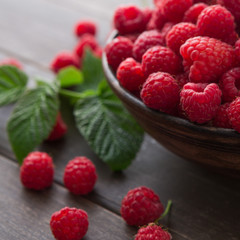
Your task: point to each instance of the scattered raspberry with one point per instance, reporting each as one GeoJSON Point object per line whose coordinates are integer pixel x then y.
{"type": "Point", "coordinates": [160, 59]}
{"type": "Point", "coordinates": [69, 224]}
{"type": "Point", "coordinates": [80, 176]}
{"type": "Point", "coordinates": [191, 15]}
{"type": "Point", "coordinates": [174, 10]}
{"type": "Point", "coordinates": [64, 59]}
{"type": "Point", "coordinates": [200, 101]}
{"type": "Point", "coordinates": [145, 41]}
{"type": "Point", "coordinates": [216, 22]}
{"type": "Point", "coordinates": [130, 75]}
{"type": "Point", "coordinates": [86, 41]}
{"type": "Point", "coordinates": [234, 114]}
{"type": "Point", "coordinates": [37, 171]}
{"type": "Point", "coordinates": [84, 27]}
{"type": "Point", "coordinates": [141, 206]}
{"type": "Point", "coordinates": [159, 19]}
{"type": "Point", "coordinates": [161, 92]}
{"type": "Point", "coordinates": [118, 50]}
{"type": "Point", "coordinates": [129, 19]}
{"type": "Point", "coordinates": [11, 61]}
{"type": "Point", "coordinates": [206, 59]}
{"type": "Point", "coordinates": [182, 79]}
{"type": "Point", "coordinates": [178, 35]}
{"type": "Point", "coordinates": [58, 130]}
{"type": "Point", "coordinates": [221, 119]}
{"type": "Point", "coordinates": [152, 232]}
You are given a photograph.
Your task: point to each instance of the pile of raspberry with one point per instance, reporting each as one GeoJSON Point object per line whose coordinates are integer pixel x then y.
{"type": "Point", "coordinates": [182, 58]}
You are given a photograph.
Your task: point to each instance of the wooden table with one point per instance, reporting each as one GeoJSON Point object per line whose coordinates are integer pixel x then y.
{"type": "Point", "coordinates": [206, 205]}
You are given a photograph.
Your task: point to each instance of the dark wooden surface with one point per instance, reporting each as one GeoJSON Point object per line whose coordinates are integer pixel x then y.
{"type": "Point", "coordinates": [205, 203]}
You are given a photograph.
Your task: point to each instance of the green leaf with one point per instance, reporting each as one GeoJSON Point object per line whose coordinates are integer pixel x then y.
{"type": "Point", "coordinates": [12, 84]}
{"type": "Point", "coordinates": [109, 129]}
{"type": "Point", "coordinates": [69, 77]}
{"type": "Point", "coordinates": [32, 119]}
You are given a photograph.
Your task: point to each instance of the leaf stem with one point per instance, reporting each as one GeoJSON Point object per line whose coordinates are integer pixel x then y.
{"type": "Point", "coordinates": [169, 204]}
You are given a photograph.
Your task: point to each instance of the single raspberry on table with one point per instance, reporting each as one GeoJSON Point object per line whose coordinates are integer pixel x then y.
{"type": "Point", "coordinates": [129, 19]}
{"type": "Point", "coordinates": [200, 101]}
{"type": "Point", "coordinates": [69, 224]}
{"type": "Point", "coordinates": [64, 59]}
{"type": "Point", "coordinates": [152, 232]}
{"type": "Point", "coordinates": [221, 119]}
{"type": "Point", "coordinates": [161, 92]}
{"type": "Point", "coordinates": [206, 59]}
{"type": "Point", "coordinates": [145, 41]}
{"type": "Point", "coordinates": [80, 176]}
{"type": "Point", "coordinates": [11, 61]}
{"type": "Point", "coordinates": [118, 50]}
{"type": "Point", "coordinates": [234, 114]}
{"type": "Point", "coordinates": [85, 26]}
{"type": "Point", "coordinates": [130, 75]}
{"type": "Point", "coordinates": [178, 35]}
{"type": "Point", "coordinates": [37, 171]}
{"type": "Point", "coordinates": [191, 15]}
{"type": "Point", "coordinates": [160, 59]}
{"type": "Point", "coordinates": [141, 206]}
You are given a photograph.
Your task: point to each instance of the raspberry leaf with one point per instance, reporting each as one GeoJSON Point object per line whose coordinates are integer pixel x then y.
{"type": "Point", "coordinates": [109, 129]}
{"type": "Point", "coordinates": [12, 84]}
{"type": "Point", "coordinates": [33, 119]}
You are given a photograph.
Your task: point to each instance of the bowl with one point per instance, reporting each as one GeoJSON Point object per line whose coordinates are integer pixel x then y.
{"type": "Point", "coordinates": [215, 147]}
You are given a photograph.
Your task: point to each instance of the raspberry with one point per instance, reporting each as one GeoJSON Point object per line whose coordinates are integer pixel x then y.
{"type": "Point", "coordinates": [84, 27]}
{"type": "Point", "coordinates": [159, 19]}
{"type": "Point", "coordinates": [161, 92]}
{"type": "Point", "coordinates": [166, 28]}
{"type": "Point", "coordinates": [179, 33]}
{"type": "Point", "coordinates": [130, 75]}
{"type": "Point", "coordinates": [141, 206]}
{"type": "Point", "coordinates": [133, 37]}
{"type": "Point", "coordinates": [191, 15]}
{"type": "Point", "coordinates": [152, 232]}
{"type": "Point", "coordinates": [237, 52]}
{"type": "Point", "coordinates": [147, 13]}
{"type": "Point", "coordinates": [182, 79]}
{"type": "Point", "coordinates": [69, 224]}
{"type": "Point", "coordinates": [200, 101]}
{"type": "Point", "coordinates": [118, 50]}
{"type": "Point", "coordinates": [58, 130]}
{"type": "Point", "coordinates": [145, 41]}
{"type": "Point", "coordinates": [206, 59]}
{"type": "Point", "coordinates": [221, 119]}
{"type": "Point", "coordinates": [80, 176]}
{"type": "Point", "coordinates": [86, 41]}
{"type": "Point", "coordinates": [234, 114]}
{"type": "Point", "coordinates": [129, 19]}
{"type": "Point", "coordinates": [37, 171]}
{"type": "Point", "coordinates": [216, 22]}
{"type": "Point", "coordinates": [64, 59]}
{"type": "Point", "coordinates": [174, 10]}
{"type": "Point", "coordinates": [162, 59]}
{"type": "Point", "coordinates": [11, 61]}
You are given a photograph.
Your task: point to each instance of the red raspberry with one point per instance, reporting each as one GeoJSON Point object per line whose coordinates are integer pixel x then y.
{"type": "Point", "coordinates": [234, 114]}
{"type": "Point", "coordinates": [152, 232]}
{"type": "Point", "coordinates": [174, 10]}
{"type": "Point", "coordinates": [191, 15]}
{"type": "Point", "coordinates": [182, 79]}
{"type": "Point", "coordinates": [130, 75]}
{"type": "Point", "coordinates": [11, 61]}
{"type": "Point", "coordinates": [160, 59]}
{"type": "Point", "coordinates": [129, 19]}
{"type": "Point", "coordinates": [147, 13]}
{"type": "Point", "coordinates": [69, 224]}
{"type": "Point", "coordinates": [64, 59]}
{"type": "Point", "coordinates": [161, 92]}
{"type": "Point", "coordinates": [58, 130]}
{"type": "Point", "coordinates": [221, 119]}
{"type": "Point", "coordinates": [145, 41]}
{"type": "Point", "coordinates": [200, 101]}
{"type": "Point", "coordinates": [118, 50]}
{"type": "Point", "coordinates": [86, 41]}
{"type": "Point", "coordinates": [141, 206]}
{"type": "Point", "coordinates": [159, 19]}
{"type": "Point", "coordinates": [80, 176]}
{"type": "Point", "coordinates": [178, 35]}
{"type": "Point", "coordinates": [166, 28]}
{"type": "Point", "coordinates": [133, 37]}
{"type": "Point", "coordinates": [237, 52]}
{"type": "Point", "coordinates": [157, 3]}
{"type": "Point", "coordinates": [216, 22]}
{"type": "Point", "coordinates": [37, 171]}
{"type": "Point", "coordinates": [84, 27]}
{"type": "Point", "coordinates": [206, 59]}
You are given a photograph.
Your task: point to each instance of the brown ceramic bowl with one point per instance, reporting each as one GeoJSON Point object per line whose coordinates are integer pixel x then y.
{"type": "Point", "coordinates": [216, 147]}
